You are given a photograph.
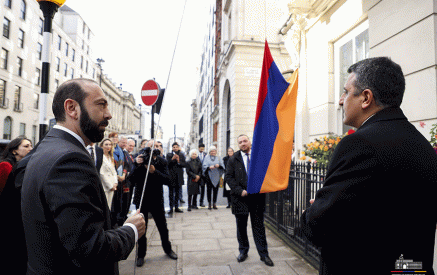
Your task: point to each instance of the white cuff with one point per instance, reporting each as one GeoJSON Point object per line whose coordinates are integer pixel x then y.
{"type": "Point", "coordinates": [134, 228]}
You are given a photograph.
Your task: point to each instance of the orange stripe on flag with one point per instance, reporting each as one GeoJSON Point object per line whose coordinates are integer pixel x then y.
{"type": "Point", "coordinates": [278, 172]}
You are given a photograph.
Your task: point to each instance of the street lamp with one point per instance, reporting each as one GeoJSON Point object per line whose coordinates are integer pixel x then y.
{"type": "Point", "coordinates": [49, 8]}
{"type": "Point", "coordinates": [99, 62]}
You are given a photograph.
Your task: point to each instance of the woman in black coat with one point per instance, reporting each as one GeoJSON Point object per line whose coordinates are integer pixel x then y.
{"type": "Point", "coordinates": [194, 172]}
{"type": "Point", "coordinates": [227, 192]}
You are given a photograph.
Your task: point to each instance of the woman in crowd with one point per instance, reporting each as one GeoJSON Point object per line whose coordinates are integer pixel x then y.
{"type": "Point", "coordinates": [12, 241]}
{"type": "Point", "coordinates": [13, 153]}
{"type": "Point", "coordinates": [108, 175]}
{"type": "Point", "coordinates": [213, 169]}
{"type": "Point", "coordinates": [194, 172]}
{"type": "Point", "coordinates": [226, 188]}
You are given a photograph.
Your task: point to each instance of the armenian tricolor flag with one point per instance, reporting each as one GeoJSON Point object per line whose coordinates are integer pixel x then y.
{"type": "Point", "coordinates": [274, 129]}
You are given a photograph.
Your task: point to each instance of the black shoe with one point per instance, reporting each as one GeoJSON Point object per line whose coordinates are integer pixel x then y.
{"type": "Point", "coordinates": [241, 257]}
{"type": "Point", "coordinates": [177, 210]}
{"type": "Point", "coordinates": [182, 201]}
{"type": "Point", "coordinates": [194, 207]}
{"type": "Point", "coordinates": [229, 206]}
{"type": "Point", "coordinates": [267, 261]}
{"type": "Point", "coordinates": [189, 209]}
{"type": "Point", "coordinates": [140, 261]}
{"type": "Point", "coordinates": [172, 255]}
{"type": "Point", "coordinates": [214, 206]}
{"type": "Point", "coordinates": [202, 205]}
{"type": "Point", "coordinates": [170, 212]}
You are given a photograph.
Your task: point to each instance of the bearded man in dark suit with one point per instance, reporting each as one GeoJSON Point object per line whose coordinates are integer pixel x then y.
{"type": "Point", "coordinates": [64, 208]}
{"type": "Point", "coordinates": [377, 204]}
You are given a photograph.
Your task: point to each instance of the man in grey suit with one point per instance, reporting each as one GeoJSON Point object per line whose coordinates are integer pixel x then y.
{"type": "Point", "coordinates": [65, 213]}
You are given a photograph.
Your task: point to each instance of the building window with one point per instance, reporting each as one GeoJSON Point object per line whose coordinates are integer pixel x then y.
{"type": "Point", "coordinates": [34, 131]}
{"type": "Point", "coordinates": [35, 100]}
{"type": "Point", "coordinates": [73, 57]}
{"type": "Point", "coordinates": [7, 128]}
{"type": "Point", "coordinates": [65, 69]}
{"type": "Point", "coordinates": [38, 77]}
{"type": "Point", "coordinates": [66, 48]}
{"type": "Point", "coordinates": [59, 42]}
{"type": "Point", "coordinates": [4, 59]}
{"type": "Point", "coordinates": [2, 92]}
{"type": "Point", "coordinates": [86, 67]}
{"type": "Point", "coordinates": [72, 73]}
{"type": "Point", "coordinates": [19, 66]}
{"type": "Point", "coordinates": [201, 126]}
{"type": "Point", "coordinates": [58, 64]}
{"type": "Point", "coordinates": [41, 26]}
{"type": "Point", "coordinates": [17, 99]}
{"type": "Point", "coordinates": [20, 38]}
{"type": "Point", "coordinates": [6, 27]}
{"type": "Point", "coordinates": [39, 51]}
{"type": "Point", "coordinates": [88, 49]}
{"type": "Point", "coordinates": [22, 129]}
{"type": "Point", "coordinates": [83, 44]}
{"type": "Point", "coordinates": [94, 72]}
{"type": "Point", "coordinates": [228, 120]}
{"type": "Point", "coordinates": [8, 3]}
{"type": "Point", "coordinates": [81, 62]}
{"type": "Point", "coordinates": [23, 10]}
{"type": "Point", "coordinates": [84, 28]}
{"type": "Point", "coordinates": [350, 49]}
{"type": "Point", "coordinates": [89, 34]}
{"type": "Point", "coordinates": [56, 83]}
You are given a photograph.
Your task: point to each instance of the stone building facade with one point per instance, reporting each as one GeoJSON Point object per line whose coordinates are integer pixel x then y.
{"type": "Point", "coordinates": [20, 65]}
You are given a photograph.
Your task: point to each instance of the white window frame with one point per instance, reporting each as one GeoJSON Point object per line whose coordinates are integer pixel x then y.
{"type": "Point", "coordinates": [337, 45]}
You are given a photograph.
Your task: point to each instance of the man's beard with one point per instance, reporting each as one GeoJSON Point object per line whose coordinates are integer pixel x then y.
{"type": "Point", "coordinates": [90, 128]}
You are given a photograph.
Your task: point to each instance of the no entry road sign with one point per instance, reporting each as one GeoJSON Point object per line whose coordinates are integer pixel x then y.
{"type": "Point", "coordinates": [150, 92]}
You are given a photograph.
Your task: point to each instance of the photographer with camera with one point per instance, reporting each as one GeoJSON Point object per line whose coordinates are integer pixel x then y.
{"type": "Point", "coordinates": [153, 201]}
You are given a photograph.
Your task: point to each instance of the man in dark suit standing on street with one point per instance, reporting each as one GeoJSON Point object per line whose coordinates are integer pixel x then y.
{"type": "Point", "coordinates": [377, 205]}
{"type": "Point", "coordinates": [65, 213]}
{"type": "Point", "coordinates": [201, 157]}
{"type": "Point", "coordinates": [244, 204]}
{"type": "Point", "coordinates": [153, 201]}
{"type": "Point", "coordinates": [176, 164]}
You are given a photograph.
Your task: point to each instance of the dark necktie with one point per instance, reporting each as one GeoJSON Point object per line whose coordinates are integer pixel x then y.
{"type": "Point", "coordinates": [93, 157]}
{"type": "Point", "coordinates": [248, 162]}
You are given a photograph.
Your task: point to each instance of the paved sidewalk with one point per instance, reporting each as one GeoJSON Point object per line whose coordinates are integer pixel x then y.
{"type": "Point", "coordinates": [206, 243]}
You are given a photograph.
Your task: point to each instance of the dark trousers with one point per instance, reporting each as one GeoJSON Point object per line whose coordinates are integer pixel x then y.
{"type": "Point", "coordinates": [181, 193]}
{"type": "Point", "coordinates": [126, 199]}
{"type": "Point", "coordinates": [214, 190]}
{"type": "Point", "coordinates": [192, 200]}
{"type": "Point", "coordinates": [173, 197]}
{"type": "Point", "coordinates": [202, 193]}
{"type": "Point", "coordinates": [158, 215]}
{"type": "Point", "coordinates": [258, 230]}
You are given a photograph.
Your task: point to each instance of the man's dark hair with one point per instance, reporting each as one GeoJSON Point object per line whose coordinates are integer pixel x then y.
{"type": "Point", "coordinates": [175, 143]}
{"type": "Point", "coordinates": [72, 89]}
{"type": "Point", "coordinates": [202, 145]}
{"type": "Point", "coordinates": [383, 77]}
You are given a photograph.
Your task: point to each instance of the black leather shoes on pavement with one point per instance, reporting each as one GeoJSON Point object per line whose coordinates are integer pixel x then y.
{"type": "Point", "coordinates": [267, 261]}
{"type": "Point", "coordinates": [177, 210]}
{"type": "Point", "coordinates": [182, 201]}
{"type": "Point", "coordinates": [172, 255]}
{"type": "Point", "coordinates": [140, 261]}
{"type": "Point", "coordinates": [241, 258]}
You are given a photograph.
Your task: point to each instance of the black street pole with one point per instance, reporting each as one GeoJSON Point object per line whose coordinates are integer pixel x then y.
{"type": "Point", "coordinates": [152, 126]}
{"type": "Point", "coordinates": [49, 9]}
{"type": "Point", "coordinates": [140, 122]}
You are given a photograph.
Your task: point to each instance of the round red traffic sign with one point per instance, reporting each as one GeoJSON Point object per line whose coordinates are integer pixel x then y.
{"type": "Point", "coordinates": [150, 92]}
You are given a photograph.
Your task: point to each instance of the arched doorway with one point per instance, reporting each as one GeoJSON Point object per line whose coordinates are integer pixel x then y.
{"type": "Point", "coordinates": [7, 128]}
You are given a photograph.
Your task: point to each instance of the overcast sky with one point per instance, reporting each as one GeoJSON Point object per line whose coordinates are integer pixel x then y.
{"type": "Point", "coordinates": [137, 38]}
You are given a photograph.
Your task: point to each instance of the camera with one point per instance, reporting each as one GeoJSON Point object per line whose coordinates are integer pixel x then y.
{"type": "Point", "coordinates": [145, 155]}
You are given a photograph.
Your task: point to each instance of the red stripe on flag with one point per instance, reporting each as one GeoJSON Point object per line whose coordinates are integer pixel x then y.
{"type": "Point", "coordinates": [268, 59]}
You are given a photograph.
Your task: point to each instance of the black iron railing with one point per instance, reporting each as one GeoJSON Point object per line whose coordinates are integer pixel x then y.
{"type": "Point", "coordinates": [284, 208]}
